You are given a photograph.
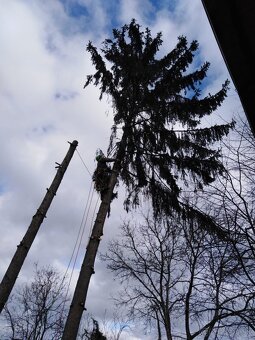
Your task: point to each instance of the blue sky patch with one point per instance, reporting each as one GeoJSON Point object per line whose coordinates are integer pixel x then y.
{"type": "Point", "coordinates": [167, 4]}
{"type": "Point", "coordinates": [2, 188]}
{"type": "Point", "coordinates": [75, 9]}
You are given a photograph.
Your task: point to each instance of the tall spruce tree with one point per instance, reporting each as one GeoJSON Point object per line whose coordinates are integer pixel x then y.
{"type": "Point", "coordinates": [151, 96]}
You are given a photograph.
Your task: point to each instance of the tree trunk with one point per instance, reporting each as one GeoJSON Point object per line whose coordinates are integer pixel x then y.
{"type": "Point", "coordinates": [87, 269]}
{"type": "Point", "coordinates": [18, 259]}
{"type": "Point", "coordinates": [168, 326]}
{"type": "Point", "coordinates": [158, 327]}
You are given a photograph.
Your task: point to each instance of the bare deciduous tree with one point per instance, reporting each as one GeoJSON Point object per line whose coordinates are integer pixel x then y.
{"type": "Point", "coordinates": [37, 310]}
{"type": "Point", "coordinates": [233, 200]}
{"type": "Point", "coordinates": [150, 261]}
{"type": "Point", "coordinates": [233, 196]}
{"type": "Point", "coordinates": [181, 280]}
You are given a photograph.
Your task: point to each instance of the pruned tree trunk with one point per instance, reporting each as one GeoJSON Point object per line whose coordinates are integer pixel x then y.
{"type": "Point", "coordinates": [87, 269]}
{"type": "Point", "coordinates": [18, 259]}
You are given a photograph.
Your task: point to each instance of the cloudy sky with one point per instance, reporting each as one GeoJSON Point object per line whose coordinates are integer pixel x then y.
{"type": "Point", "coordinates": [43, 68]}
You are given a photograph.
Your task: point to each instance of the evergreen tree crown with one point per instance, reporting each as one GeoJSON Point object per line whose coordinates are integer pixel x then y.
{"type": "Point", "coordinates": [151, 96]}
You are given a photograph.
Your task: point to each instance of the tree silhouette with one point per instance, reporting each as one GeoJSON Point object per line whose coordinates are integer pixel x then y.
{"type": "Point", "coordinates": [152, 97]}
{"type": "Point", "coordinates": [181, 281]}
{"type": "Point", "coordinates": [157, 106]}
{"type": "Point", "coordinates": [37, 309]}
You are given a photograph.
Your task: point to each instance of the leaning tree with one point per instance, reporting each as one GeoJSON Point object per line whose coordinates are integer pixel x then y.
{"type": "Point", "coordinates": [152, 97]}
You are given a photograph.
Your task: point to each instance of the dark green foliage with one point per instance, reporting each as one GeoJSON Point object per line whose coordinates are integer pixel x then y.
{"type": "Point", "coordinates": [151, 98]}
{"type": "Point", "coordinates": [96, 333]}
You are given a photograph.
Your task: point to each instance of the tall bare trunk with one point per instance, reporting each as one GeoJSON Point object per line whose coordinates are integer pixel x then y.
{"type": "Point", "coordinates": [18, 259]}
{"type": "Point", "coordinates": [87, 269]}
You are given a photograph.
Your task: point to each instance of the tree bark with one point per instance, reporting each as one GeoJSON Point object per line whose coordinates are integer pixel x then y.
{"type": "Point", "coordinates": [18, 259]}
{"type": "Point", "coordinates": [87, 269]}
{"type": "Point", "coordinates": [168, 326]}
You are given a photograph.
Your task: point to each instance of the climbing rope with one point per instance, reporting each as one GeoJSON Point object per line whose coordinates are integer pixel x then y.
{"type": "Point", "coordinates": [83, 162]}
{"type": "Point", "coordinates": [77, 245]}
{"type": "Point", "coordinates": [81, 231]}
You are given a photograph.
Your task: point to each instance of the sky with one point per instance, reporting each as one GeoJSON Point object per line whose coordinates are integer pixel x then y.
{"type": "Point", "coordinates": [43, 68]}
